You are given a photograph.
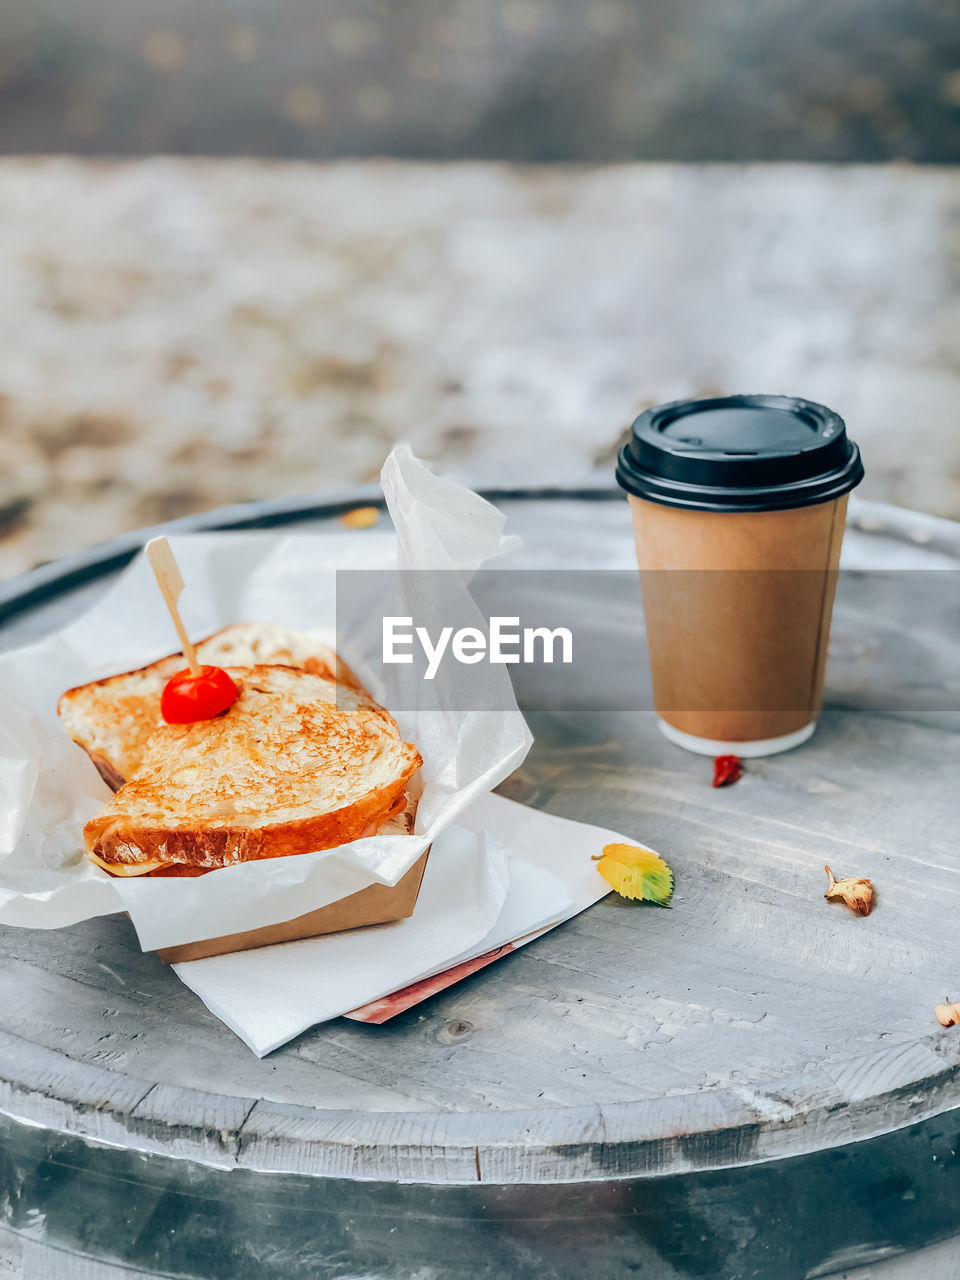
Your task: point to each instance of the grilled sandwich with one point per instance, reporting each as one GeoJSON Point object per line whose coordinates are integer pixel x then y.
{"type": "Point", "coordinates": [298, 763]}
{"type": "Point", "coordinates": [114, 719]}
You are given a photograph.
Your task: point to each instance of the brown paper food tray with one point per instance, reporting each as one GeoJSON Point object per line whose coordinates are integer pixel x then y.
{"type": "Point", "coordinates": [377, 904]}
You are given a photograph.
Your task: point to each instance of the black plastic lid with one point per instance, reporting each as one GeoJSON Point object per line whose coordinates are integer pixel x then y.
{"type": "Point", "coordinates": [739, 453]}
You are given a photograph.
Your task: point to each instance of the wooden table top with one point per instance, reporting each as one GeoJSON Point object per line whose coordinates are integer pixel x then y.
{"type": "Point", "coordinates": [749, 1025]}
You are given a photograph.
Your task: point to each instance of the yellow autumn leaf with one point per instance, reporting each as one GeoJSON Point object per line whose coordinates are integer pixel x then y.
{"type": "Point", "coordinates": [636, 872]}
{"type": "Point", "coordinates": [360, 518]}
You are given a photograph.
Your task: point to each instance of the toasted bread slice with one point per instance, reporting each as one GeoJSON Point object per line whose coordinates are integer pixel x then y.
{"type": "Point", "coordinates": [298, 763]}
{"type": "Point", "coordinates": [114, 719]}
{"type": "Point", "coordinates": [398, 823]}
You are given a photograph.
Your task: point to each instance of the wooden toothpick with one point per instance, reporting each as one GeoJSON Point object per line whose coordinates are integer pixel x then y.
{"type": "Point", "coordinates": [170, 582]}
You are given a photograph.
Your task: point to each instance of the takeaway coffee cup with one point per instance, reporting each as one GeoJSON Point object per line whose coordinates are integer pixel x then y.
{"type": "Point", "coordinates": [738, 508]}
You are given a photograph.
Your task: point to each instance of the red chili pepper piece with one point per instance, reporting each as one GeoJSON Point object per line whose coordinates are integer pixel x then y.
{"type": "Point", "coordinates": [187, 697]}
{"type": "Point", "coordinates": [727, 770]}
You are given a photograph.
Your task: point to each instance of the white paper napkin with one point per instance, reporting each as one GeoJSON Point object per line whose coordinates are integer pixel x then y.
{"type": "Point", "coordinates": [475, 897]}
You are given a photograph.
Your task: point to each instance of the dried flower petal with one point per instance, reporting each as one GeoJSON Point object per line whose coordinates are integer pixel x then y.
{"type": "Point", "coordinates": [948, 1015]}
{"type": "Point", "coordinates": [857, 894]}
{"type": "Point", "coordinates": [727, 770]}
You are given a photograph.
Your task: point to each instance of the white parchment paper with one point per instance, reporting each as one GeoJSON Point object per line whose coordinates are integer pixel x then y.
{"type": "Point", "coordinates": [48, 788]}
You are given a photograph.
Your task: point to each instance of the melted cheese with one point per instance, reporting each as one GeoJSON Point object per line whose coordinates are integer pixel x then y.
{"type": "Point", "coordinates": [125, 868]}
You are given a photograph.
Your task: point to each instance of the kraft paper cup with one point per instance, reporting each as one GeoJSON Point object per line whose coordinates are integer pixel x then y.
{"type": "Point", "coordinates": [738, 544]}
{"type": "Point", "coordinates": [738, 611]}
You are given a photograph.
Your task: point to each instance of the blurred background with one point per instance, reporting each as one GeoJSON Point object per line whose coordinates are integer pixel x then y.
{"type": "Point", "coordinates": [245, 247]}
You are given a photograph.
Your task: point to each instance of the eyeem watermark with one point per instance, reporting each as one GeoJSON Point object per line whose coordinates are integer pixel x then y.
{"type": "Point", "coordinates": [505, 642]}
{"type": "Point", "coordinates": [418, 639]}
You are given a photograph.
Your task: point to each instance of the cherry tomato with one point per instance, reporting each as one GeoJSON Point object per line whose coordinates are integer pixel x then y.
{"type": "Point", "coordinates": [187, 697]}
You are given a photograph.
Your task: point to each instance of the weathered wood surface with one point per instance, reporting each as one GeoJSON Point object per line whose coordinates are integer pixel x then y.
{"type": "Point", "coordinates": [750, 1023]}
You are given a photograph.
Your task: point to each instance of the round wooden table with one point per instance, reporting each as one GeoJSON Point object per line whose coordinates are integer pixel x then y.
{"type": "Point", "coordinates": [749, 1084]}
